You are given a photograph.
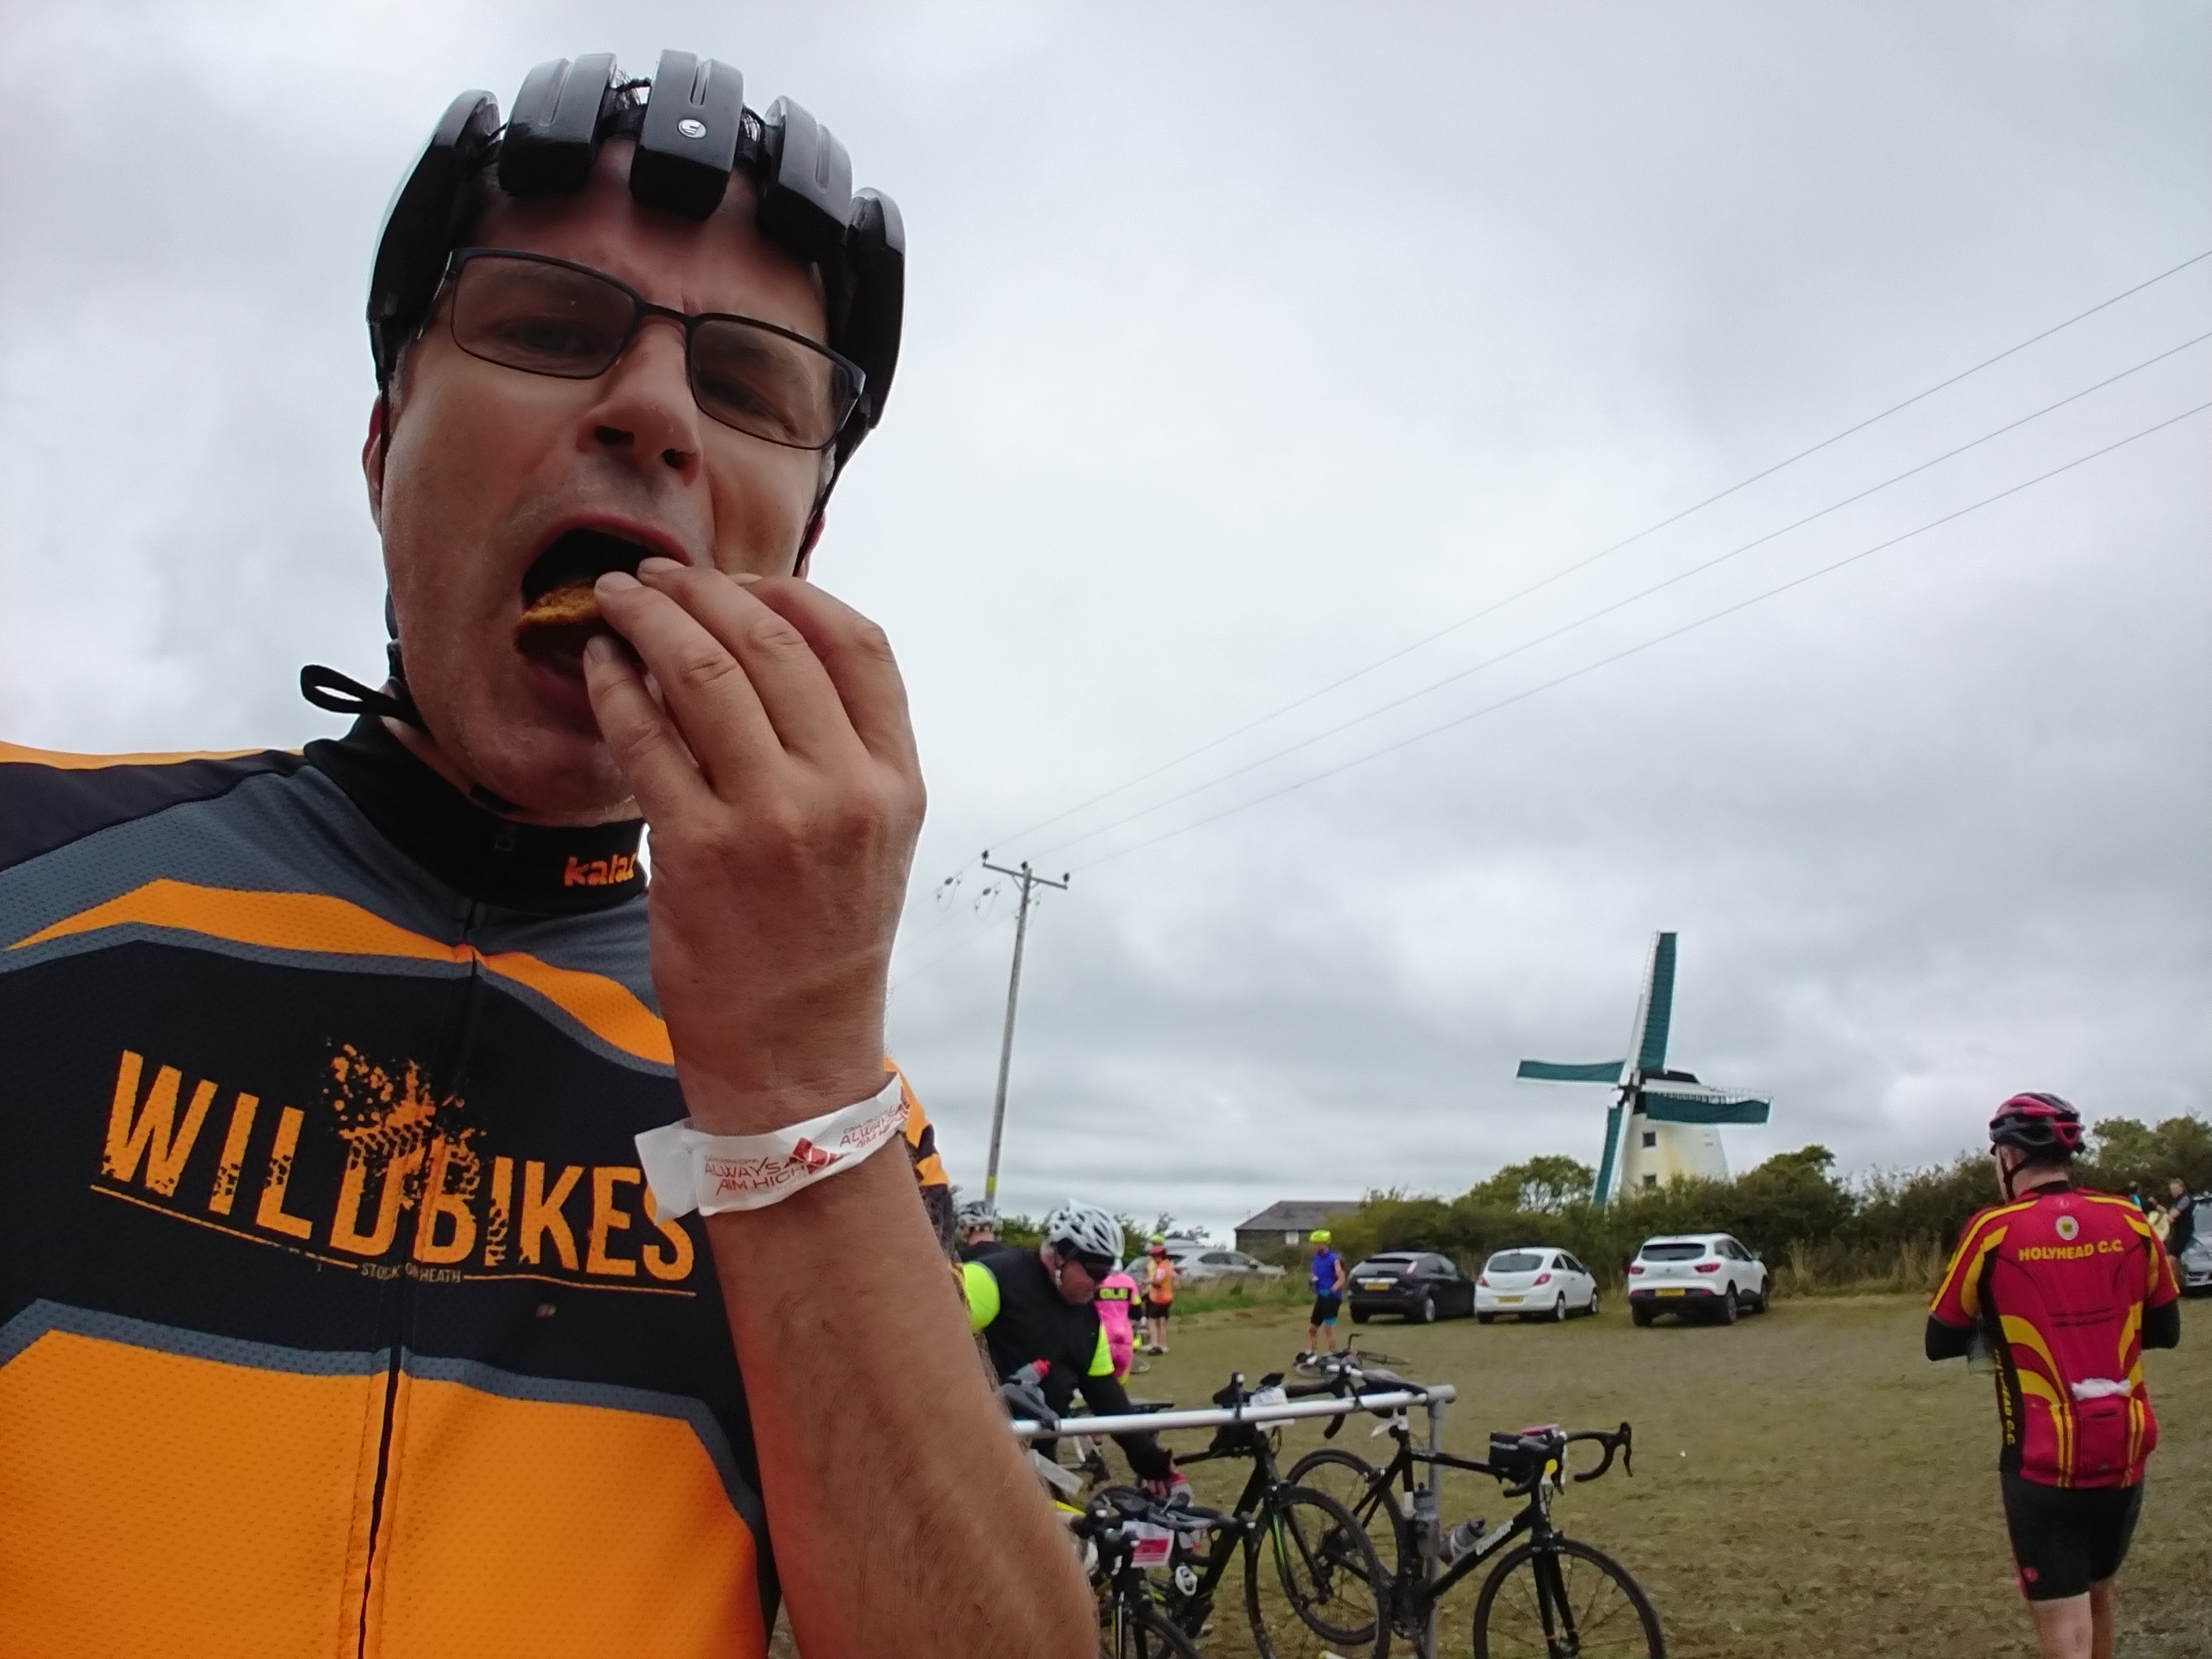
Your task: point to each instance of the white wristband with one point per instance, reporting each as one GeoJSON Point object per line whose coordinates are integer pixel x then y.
{"type": "Point", "coordinates": [688, 1170]}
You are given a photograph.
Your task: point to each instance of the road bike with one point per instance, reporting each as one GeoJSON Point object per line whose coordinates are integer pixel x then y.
{"type": "Point", "coordinates": [1309, 1568]}
{"type": "Point", "coordinates": [1548, 1597]}
{"type": "Point", "coordinates": [1128, 1532]}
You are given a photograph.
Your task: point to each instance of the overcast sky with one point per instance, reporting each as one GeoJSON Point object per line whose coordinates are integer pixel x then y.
{"type": "Point", "coordinates": [1245, 347]}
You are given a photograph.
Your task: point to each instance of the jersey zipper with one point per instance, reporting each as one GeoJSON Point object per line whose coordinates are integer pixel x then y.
{"type": "Point", "coordinates": [402, 1301]}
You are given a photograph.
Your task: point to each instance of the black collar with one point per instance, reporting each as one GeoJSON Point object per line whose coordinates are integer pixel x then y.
{"type": "Point", "coordinates": [473, 850]}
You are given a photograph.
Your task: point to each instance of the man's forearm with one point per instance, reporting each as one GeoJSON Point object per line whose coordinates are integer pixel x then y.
{"type": "Point", "coordinates": [905, 1518]}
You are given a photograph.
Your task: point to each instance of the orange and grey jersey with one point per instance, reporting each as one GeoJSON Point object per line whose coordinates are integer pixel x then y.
{"type": "Point", "coordinates": [335, 1316]}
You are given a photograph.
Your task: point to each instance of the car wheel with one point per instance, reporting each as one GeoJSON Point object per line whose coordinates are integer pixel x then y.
{"type": "Point", "coordinates": [1765, 1297]}
{"type": "Point", "coordinates": [1559, 1309]}
{"type": "Point", "coordinates": [1592, 1309]}
{"type": "Point", "coordinates": [1728, 1308]}
{"type": "Point", "coordinates": [1358, 1317]}
{"type": "Point", "coordinates": [1427, 1313]}
{"type": "Point", "coordinates": [1485, 1319]}
{"type": "Point", "coordinates": [1641, 1314]}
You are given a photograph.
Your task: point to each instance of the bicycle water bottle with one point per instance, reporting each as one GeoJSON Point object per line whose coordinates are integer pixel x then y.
{"type": "Point", "coordinates": [1458, 1542]}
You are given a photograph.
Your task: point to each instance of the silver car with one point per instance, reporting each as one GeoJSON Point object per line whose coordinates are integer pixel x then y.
{"type": "Point", "coordinates": [1201, 1264]}
{"type": "Point", "coordinates": [2195, 1263]}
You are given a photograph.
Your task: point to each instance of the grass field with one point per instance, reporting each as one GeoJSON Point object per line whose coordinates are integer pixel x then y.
{"type": "Point", "coordinates": [1805, 1482]}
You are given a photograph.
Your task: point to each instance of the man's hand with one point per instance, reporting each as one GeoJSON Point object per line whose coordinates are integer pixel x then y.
{"type": "Point", "coordinates": [776, 770]}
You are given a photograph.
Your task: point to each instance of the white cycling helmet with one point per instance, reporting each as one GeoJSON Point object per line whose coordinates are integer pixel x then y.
{"type": "Point", "coordinates": [1086, 1229]}
{"type": "Point", "coordinates": [977, 1214]}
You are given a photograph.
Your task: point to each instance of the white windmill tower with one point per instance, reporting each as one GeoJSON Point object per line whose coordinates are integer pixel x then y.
{"type": "Point", "coordinates": [1663, 1124]}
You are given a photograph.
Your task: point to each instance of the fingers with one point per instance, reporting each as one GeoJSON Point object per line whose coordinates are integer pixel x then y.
{"type": "Point", "coordinates": [801, 700]}
{"type": "Point", "coordinates": [653, 759]}
{"type": "Point", "coordinates": [857, 657]}
{"type": "Point", "coordinates": [716, 712]}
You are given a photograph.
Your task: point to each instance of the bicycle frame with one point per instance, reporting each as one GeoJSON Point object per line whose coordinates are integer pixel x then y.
{"type": "Point", "coordinates": [1190, 1609]}
{"type": "Point", "coordinates": [1418, 1586]}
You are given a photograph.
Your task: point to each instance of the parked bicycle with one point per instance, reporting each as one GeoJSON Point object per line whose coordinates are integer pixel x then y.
{"type": "Point", "coordinates": [1129, 1533]}
{"type": "Point", "coordinates": [1308, 1565]}
{"type": "Point", "coordinates": [1551, 1595]}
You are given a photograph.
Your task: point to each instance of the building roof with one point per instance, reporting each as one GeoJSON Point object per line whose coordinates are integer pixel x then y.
{"type": "Point", "coordinates": [1299, 1212]}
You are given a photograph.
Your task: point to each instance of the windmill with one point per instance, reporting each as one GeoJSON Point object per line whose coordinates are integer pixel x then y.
{"type": "Point", "coordinates": [1663, 1124]}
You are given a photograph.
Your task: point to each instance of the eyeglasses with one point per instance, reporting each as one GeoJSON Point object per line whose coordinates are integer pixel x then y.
{"type": "Point", "coordinates": [547, 316]}
{"type": "Point", "coordinates": [1096, 1266]}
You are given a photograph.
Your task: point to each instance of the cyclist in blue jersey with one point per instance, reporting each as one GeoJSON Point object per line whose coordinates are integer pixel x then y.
{"type": "Point", "coordinates": [1327, 1276]}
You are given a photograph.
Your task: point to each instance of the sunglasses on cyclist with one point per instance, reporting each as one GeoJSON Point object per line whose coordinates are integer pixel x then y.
{"type": "Point", "coordinates": [545, 316]}
{"type": "Point", "coordinates": [1096, 1266]}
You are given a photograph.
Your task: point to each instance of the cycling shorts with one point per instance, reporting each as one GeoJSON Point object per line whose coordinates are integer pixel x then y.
{"type": "Point", "coordinates": [1158, 1310]}
{"type": "Point", "coordinates": [2066, 1539]}
{"type": "Point", "coordinates": [1325, 1309]}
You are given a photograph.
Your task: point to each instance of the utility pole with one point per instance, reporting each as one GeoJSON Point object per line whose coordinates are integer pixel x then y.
{"type": "Point", "coordinates": [1030, 881]}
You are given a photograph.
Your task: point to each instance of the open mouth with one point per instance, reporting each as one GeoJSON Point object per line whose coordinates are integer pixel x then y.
{"type": "Point", "coordinates": [560, 610]}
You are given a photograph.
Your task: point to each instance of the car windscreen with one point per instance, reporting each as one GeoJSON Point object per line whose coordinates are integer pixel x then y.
{"type": "Point", "coordinates": [1514, 1262]}
{"type": "Point", "coordinates": [1671, 1252]}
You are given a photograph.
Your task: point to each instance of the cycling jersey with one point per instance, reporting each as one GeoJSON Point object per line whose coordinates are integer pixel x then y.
{"type": "Point", "coordinates": [335, 1316]}
{"type": "Point", "coordinates": [1327, 1272]}
{"type": "Point", "coordinates": [2066, 1287]}
{"type": "Point", "coordinates": [1159, 1279]}
{"type": "Point", "coordinates": [1117, 1296]}
{"type": "Point", "coordinates": [1025, 1320]}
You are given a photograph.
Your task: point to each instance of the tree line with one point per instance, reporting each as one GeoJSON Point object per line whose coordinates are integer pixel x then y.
{"type": "Point", "coordinates": [1818, 1231]}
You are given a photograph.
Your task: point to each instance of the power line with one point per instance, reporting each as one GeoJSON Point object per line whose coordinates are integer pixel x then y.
{"type": "Point", "coordinates": [1630, 651]}
{"type": "Point", "coordinates": [1607, 552]}
{"type": "Point", "coordinates": [1458, 675]}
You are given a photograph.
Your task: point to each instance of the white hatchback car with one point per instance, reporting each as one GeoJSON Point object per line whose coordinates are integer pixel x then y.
{"type": "Point", "coordinates": [1534, 1281]}
{"type": "Point", "coordinates": [1708, 1275]}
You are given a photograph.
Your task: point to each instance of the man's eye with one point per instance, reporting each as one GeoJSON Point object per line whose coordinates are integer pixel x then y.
{"type": "Point", "coordinates": [551, 337]}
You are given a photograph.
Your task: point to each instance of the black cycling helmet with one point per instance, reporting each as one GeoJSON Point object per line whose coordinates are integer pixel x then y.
{"type": "Point", "coordinates": [2042, 1126]}
{"type": "Point", "coordinates": [692, 130]}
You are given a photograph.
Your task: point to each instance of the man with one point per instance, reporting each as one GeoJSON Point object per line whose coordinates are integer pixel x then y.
{"type": "Point", "coordinates": [1327, 1275]}
{"type": "Point", "coordinates": [1038, 1309]}
{"type": "Point", "coordinates": [1159, 1294]}
{"type": "Point", "coordinates": [979, 1232]}
{"type": "Point", "coordinates": [2180, 1218]}
{"type": "Point", "coordinates": [2066, 1288]}
{"type": "Point", "coordinates": [338, 1314]}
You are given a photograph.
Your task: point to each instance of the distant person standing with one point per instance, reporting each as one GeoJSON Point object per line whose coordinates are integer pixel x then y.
{"type": "Point", "coordinates": [2066, 1289]}
{"type": "Point", "coordinates": [2180, 1218]}
{"type": "Point", "coordinates": [1328, 1296]}
{"type": "Point", "coordinates": [1159, 1294]}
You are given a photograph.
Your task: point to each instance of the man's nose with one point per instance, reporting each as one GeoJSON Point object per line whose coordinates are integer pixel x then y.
{"type": "Point", "coordinates": [644, 408]}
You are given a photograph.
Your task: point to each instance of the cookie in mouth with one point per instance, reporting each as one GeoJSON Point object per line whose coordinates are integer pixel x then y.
{"type": "Point", "coordinates": [560, 610]}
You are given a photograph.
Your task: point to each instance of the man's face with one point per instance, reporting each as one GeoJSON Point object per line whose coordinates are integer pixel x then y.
{"type": "Point", "coordinates": [2177, 1187]}
{"type": "Point", "coordinates": [488, 466]}
{"type": "Point", "coordinates": [1079, 1283]}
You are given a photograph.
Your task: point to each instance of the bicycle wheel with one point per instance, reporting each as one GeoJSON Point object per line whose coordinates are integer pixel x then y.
{"type": "Point", "coordinates": [1563, 1601]}
{"type": "Point", "coordinates": [1309, 1570]}
{"type": "Point", "coordinates": [1134, 1630]}
{"type": "Point", "coordinates": [1359, 1485]}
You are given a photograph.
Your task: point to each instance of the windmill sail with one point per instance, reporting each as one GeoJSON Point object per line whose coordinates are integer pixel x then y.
{"type": "Point", "coordinates": [1553, 1071]}
{"type": "Point", "coordinates": [1661, 1123]}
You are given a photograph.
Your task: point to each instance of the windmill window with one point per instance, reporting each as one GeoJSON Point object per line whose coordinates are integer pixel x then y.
{"type": "Point", "coordinates": [1651, 1180]}
{"type": "Point", "coordinates": [1652, 1137]}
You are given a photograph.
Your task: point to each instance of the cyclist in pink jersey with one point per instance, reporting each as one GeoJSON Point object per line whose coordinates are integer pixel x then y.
{"type": "Point", "coordinates": [1117, 1301]}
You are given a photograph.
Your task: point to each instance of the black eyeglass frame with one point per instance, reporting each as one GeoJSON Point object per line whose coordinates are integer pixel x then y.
{"type": "Point", "coordinates": [642, 310]}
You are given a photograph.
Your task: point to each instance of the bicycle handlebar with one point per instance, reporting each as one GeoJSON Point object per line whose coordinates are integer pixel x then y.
{"type": "Point", "coordinates": [1622, 1440]}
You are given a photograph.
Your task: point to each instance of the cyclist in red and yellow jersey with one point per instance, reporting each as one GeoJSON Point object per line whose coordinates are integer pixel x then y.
{"type": "Point", "coordinates": [2066, 1288]}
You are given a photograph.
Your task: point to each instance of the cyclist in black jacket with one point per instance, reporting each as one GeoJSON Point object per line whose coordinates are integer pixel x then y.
{"type": "Point", "coordinates": [1039, 1307]}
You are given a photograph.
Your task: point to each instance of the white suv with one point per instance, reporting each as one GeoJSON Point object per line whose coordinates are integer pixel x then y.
{"type": "Point", "coordinates": [1709, 1275]}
